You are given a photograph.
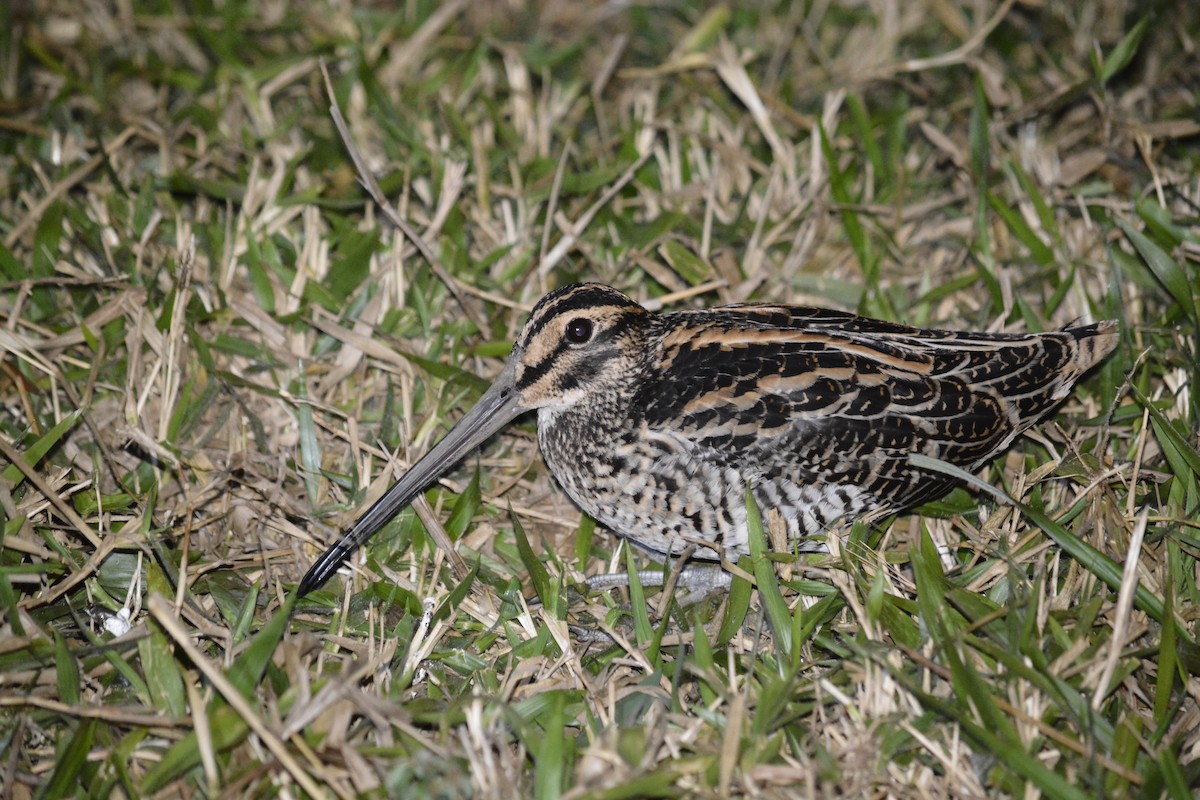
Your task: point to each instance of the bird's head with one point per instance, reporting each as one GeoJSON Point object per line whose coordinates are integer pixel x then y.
{"type": "Point", "coordinates": [579, 341]}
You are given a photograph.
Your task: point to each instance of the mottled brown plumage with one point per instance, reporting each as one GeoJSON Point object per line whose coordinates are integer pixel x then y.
{"type": "Point", "coordinates": [655, 423]}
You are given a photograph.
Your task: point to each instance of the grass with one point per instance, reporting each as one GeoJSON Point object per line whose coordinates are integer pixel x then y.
{"type": "Point", "coordinates": [215, 350]}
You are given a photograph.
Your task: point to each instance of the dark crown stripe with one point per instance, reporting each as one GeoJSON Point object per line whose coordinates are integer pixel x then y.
{"type": "Point", "coordinates": [590, 296]}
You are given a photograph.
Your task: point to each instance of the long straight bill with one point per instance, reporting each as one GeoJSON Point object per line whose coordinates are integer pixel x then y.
{"type": "Point", "coordinates": [498, 406]}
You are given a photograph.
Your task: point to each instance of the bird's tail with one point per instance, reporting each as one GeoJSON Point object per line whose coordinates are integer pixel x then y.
{"type": "Point", "coordinates": [1094, 343]}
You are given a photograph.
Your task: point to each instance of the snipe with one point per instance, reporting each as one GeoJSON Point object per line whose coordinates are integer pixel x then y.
{"type": "Point", "coordinates": [655, 423]}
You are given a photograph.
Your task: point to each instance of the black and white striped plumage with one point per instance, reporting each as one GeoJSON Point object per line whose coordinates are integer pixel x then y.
{"type": "Point", "coordinates": [655, 423]}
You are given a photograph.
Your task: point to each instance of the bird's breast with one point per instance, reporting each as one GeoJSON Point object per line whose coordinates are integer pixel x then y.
{"type": "Point", "coordinates": [664, 492]}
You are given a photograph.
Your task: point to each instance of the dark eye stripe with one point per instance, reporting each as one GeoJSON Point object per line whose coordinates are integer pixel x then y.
{"type": "Point", "coordinates": [536, 372]}
{"type": "Point", "coordinates": [593, 297]}
{"type": "Point", "coordinates": [615, 331]}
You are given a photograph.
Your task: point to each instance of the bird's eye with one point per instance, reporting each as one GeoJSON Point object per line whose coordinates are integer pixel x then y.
{"type": "Point", "coordinates": [579, 331]}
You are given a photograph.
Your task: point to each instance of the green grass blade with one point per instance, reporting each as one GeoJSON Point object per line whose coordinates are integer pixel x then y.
{"type": "Point", "coordinates": [546, 590]}
{"type": "Point", "coordinates": [1168, 659]}
{"type": "Point", "coordinates": [856, 233]}
{"type": "Point", "coordinates": [161, 670]}
{"type": "Point", "coordinates": [1124, 52]}
{"type": "Point", "coordinates": [465, 508]}
{"type": "Point", "coordinates": [228, 729]}
{"type": "Point", "coordinates": [1006, 751]}
{"type": "Point", "coordinates": [456, 595]}
{"type": "Point", "coordinates": [737, 604]}
{"type": "Point", "coordinates": [637, 600]}
{"type": "Point", "coordinates": [252, 662]}
{"type": "Point", "coordinates": [1165, 268]}
{"type": "Point", "coordinates": [226, 726]}
{"type": "Point", "coordinates": [551, 754]}
{"type": "Point", "coordinates": [1038, 250]}
{"type": "Point", "coordinates": [1178, 787]}
{"type": "Point", "coordinates": [35, 452]}
{"type": "Point", "coordinates": [583, 541]}
{"type": "Point", "coordinates": [66, 671]}
{"type": "Point", "coordinates": [310, 448]}
{"type": "Point", "coordinates": [1103, 567]}
{"type": "Point", "coordinates": [1183, 457]}
{"type": "Point", "coordinates": [766, 580]}
{"type": "Point", "coordinates": [245, 619]}
{"type": "Point", "coordinates": [70, 765]}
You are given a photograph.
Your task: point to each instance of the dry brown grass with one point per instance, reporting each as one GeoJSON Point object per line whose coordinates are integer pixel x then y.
{"type": "Point", "coordinates": [214, 352]}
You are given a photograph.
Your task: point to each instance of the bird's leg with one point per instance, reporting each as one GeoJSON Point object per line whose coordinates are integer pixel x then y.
{"type": "Point", "coordinates": [695, 582]}
{"type": "Point", "coordinates": [698, 581]}
{"type": "Point", "coordinates": [611, 580]}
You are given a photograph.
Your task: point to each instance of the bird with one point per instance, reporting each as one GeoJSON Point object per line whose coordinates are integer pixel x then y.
{"type": "Point", "coordinates": [658, 424]}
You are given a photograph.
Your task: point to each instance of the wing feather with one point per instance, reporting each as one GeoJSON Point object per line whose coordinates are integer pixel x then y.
{"type": "Point", "coordinates": [823, 396]}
